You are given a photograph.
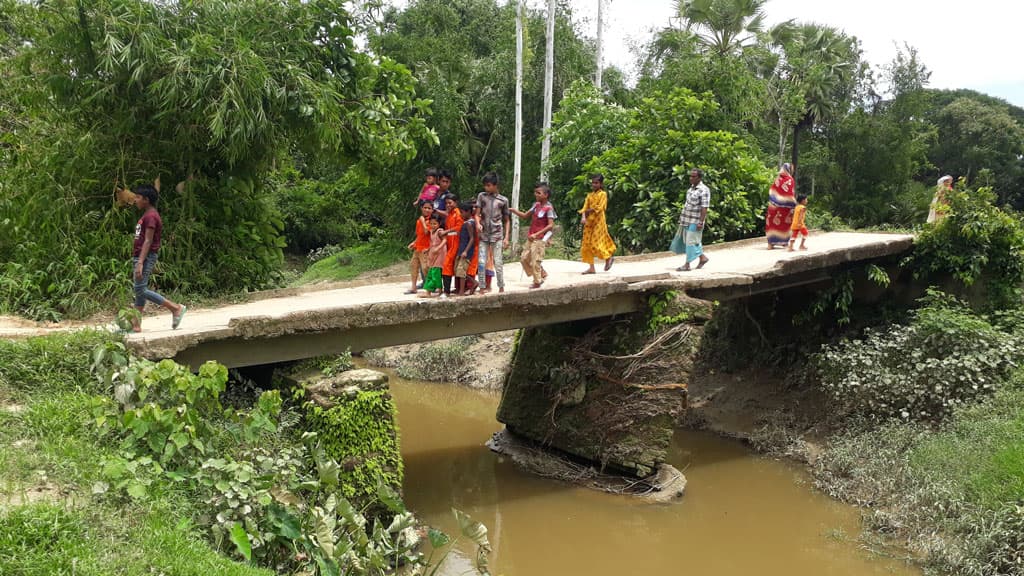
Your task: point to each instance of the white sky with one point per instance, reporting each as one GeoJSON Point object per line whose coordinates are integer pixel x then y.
{"type": "Point", "coordinates": [977, 44]}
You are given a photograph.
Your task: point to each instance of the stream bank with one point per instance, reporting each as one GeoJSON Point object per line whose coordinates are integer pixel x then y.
{"type": "Point", "coordinates": [941, 495]}
{"type": "Point", "coordinates": [742, 513]}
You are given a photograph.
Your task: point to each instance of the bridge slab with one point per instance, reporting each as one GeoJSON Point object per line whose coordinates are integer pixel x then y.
{"type": "Point", "coordinates": [322, 321]}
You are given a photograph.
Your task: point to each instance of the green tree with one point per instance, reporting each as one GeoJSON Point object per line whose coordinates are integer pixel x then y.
{"type": "Point", "coordinates": [881, 147]}
{"type": "Point", "coordinates": [584, 127]}
{"type": "Point", "coordinates": [677, 58]}
{"type": "Point", "coordinates": [206, 94]}
{"type": "Point", "coordinates": [825, 65]}
{"type": "Point", "coordinates": [463, 54]}
{"type": "Point", "coordinates": [723, 26]}
{"type": "Point", "coordinates": [647, 170]}
{"type": "Point", "coordinates": [976, 135]}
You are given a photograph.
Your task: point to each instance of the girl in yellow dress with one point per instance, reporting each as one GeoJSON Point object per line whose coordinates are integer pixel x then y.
{"type": "Point", "coordinates": [596, 241]}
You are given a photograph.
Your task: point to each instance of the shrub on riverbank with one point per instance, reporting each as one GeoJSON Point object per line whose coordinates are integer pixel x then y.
{"type": "Point", "coordinates": [123, 474]}
{"type": "Point", "coordinates": [977, 243]}
{"type": "Point", "coordinates": [933, 434]}
{"type": "Point", "coordinates": [946, 357]}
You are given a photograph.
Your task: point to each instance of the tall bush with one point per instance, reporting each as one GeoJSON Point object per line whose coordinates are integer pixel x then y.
{"type": "Point", "coordinates": [977, 241]}
{"type": "Point", "coordinates": [946, 357]}
{"type": "Point", "coordinates": [203, 94]}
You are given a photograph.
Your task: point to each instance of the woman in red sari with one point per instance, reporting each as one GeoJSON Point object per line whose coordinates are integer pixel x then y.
{"type": "Point", "coordinates": [781, 201]}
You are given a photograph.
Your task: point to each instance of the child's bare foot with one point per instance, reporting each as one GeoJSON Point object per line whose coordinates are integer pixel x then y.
{"type": "Point", "coordinates": [790, 249]}
{"type": "Point", "coordinates": [703, 260]}
{"type": "Point", "coordinates": [608, 263]}
{"type": "Point", "coordinates": [590, 271]}
{"type": "Point", "coordinates": [500, 290]}
{"type": "Point", "coordinates": [803, 247]}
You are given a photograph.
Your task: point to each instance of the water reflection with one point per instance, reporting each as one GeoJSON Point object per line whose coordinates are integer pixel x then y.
{"type": "Point", "coordinates": [742, 514]}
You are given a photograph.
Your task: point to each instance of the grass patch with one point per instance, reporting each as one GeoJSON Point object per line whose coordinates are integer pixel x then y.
{"type": "Point", "coordinates": [440, 362]}
{"type": "Point", "coordinates": [58, 362]}
{"type": "Point", "coordinates": [954, 494]}
{"type": "Point", "coordinates": [351, 262]}
{"type": "Point", "coordinates": [52, 539]}
{"type": "Point", "coordinates": [982, 451]}
{"type": "Point", "coordinates": [50, 448]}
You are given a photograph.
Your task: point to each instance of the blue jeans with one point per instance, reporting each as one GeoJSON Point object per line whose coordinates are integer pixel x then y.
{"type": "Point", "coordinates": [142, 291]}
{"type": "Point", "coordinates": [495, 248]}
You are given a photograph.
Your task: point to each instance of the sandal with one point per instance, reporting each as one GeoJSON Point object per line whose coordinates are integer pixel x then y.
{"type": "Point", "coordinates": [176, 319]}
{"type": "Point", "coordinates": [608, 263]}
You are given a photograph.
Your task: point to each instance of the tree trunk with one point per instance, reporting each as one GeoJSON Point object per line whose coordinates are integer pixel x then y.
{"type": "Point", "coordinates": [600, 43]}
{"type": "Point", "coordinates": [549, 81]}
{"type": "Point", "coordinates": [782, 140]}
{"type": "Point", "coordinates": [796, 147]}
{"type": "Point", "coordinates": [518, 160]}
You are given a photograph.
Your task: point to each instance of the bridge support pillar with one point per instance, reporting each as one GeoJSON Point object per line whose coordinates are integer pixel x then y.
{"type": "Point", "coordinates": [596, 390]}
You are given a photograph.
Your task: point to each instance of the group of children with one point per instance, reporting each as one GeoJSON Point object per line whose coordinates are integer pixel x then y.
{"type": "Point", "coordinates": [458, 245]}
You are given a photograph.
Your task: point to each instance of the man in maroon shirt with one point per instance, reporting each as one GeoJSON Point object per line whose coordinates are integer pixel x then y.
{"type": "Point", "coordinates": [145, 249]}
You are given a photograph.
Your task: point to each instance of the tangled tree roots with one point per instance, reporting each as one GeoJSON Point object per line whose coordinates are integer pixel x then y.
{"type": "Point", "coordinates": [670, 353]}
{"type": "Point", "coordinates": [666, 484]}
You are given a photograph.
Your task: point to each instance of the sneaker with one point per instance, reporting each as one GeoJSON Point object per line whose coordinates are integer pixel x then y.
{"type": "Point", "coordinates": [443, 296]}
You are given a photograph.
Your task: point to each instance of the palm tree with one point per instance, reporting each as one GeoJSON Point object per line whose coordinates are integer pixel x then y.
{"type": "Point", "coordinates": [723, 26]}
{"type": "Point", "coordinates": [823, 63]}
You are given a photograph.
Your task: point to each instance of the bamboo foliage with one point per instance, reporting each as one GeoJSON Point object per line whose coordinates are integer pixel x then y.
{"type": "Point", "coordinates": [206, 94]}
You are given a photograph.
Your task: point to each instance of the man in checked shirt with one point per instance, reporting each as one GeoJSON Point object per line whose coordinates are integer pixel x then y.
{"type": "Point", "coordinates": [695, 213]}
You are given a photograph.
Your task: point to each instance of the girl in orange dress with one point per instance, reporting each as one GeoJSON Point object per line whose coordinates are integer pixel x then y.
{"type": "Point", "coordinates": [453, 224]}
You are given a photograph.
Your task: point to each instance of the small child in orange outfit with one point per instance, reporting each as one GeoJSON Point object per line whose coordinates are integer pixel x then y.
{"type": "Point", "coordinates": [798, 227]}
{"type": "Point", "coordinates": [419, 264]}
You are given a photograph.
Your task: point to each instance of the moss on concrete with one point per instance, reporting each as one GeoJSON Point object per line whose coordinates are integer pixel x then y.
{"type": "Point", "coordinates": [360, 432]}
{"type": "Point", "coordinates": [566, 393]}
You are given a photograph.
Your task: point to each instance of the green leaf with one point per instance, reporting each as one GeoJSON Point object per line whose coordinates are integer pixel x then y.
{"type": "Point", "coordinates": [136, 489]}
{"type": "Point", "coordinates": [438, 539]}
{"type": "Point", "coordinates": [240, 538]}
{"type": "Point", "coordinates": [114, 469]}
{"type": "Point", "coordinates": [285, 523]}
{"type": "Point", "coordinates": [472, 529]}
{"type": "Point", "coordinates": [180, 440]}
{"type": "Point", "coordinates": [391, 500]}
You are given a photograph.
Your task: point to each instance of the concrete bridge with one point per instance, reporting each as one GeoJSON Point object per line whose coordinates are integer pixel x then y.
{"type": "Point", "coordinates": [294, 326]}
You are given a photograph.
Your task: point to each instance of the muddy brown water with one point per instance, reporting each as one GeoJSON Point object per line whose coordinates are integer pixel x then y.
{"type": "Point", "coordinates": [742, 513]}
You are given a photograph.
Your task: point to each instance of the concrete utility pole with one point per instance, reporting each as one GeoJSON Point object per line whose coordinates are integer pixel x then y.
{"type": "Point", "coordinates": [518, 164]}
{"type": "Point", "coordinates": [600, 43]}
{"type": "Point", "coordinates": [549, 82]}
